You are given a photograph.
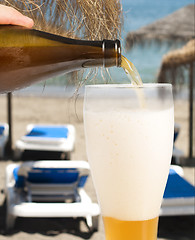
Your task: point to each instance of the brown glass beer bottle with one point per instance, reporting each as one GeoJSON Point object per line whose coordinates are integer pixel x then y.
{"type": "Point", "coordinates": [28, 56]}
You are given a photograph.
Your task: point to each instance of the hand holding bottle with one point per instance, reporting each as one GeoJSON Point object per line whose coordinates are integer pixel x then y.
{"type": "Point", "coordinates": [9, 15]}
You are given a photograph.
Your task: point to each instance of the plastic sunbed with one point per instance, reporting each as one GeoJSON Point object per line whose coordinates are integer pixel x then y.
{"type": "Point", "coordinates": [3, 137]}
{"type": "Point", "coordinates": [179, 195]}
{"type": "Point", "coordinates": [56, 138]}
{"type": "Point", "coordinates": [53, 189]}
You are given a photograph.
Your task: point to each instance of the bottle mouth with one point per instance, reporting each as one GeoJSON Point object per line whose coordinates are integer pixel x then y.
{"type": "Point", "coordinates": [112, 53]}
{"type": "Point", "coordinates": [118, 52]}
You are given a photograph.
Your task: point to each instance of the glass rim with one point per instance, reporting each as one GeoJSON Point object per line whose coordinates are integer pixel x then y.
{"type": "Point", "coordinates": [145, 85]}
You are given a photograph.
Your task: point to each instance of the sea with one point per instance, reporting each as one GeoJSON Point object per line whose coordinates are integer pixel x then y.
{"type": "Point", "coordinates": [147, 58]}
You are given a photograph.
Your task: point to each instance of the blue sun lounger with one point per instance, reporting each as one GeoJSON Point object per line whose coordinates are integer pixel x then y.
{"type": "Point", "coordinates": [3, 137]}
{"type": "Point", "coordinates": [179, 195]}
{"type": "Point", "coordinates": [40, 137]}
{"type": "Point", "coordinates": [49, 189]}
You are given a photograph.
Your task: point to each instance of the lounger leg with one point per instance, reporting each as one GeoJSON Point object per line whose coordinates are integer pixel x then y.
{"type": "Point", "coordinates": [10, 221]}
{"type": "Point", "coordinates": [95, 222]}
{"type": "Point", "coordinates": [68, 156]}
{"type": "Point", "coordinates": [89, 221]}
{"type": "Point", "coordinates": [1, 152]}
{"type": "Point", "coordinates": [17, 153]}
{"type": "Point", "coordinates": [92, 223]}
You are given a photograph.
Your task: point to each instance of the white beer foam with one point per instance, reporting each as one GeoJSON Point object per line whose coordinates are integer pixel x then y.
{"type": "Point", "coordinates": [129, 152]}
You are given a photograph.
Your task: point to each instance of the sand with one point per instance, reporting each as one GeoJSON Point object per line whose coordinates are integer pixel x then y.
{"type": "Point", "coordinates": [59, 111]}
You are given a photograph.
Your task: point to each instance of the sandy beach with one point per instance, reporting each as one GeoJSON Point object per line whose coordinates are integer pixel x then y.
{"type": "Point", "coordinates": [62, 111]}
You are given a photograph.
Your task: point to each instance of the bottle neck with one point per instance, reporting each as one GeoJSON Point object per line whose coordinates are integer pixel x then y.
{"type": "Point", "coordinates": [109, 54]}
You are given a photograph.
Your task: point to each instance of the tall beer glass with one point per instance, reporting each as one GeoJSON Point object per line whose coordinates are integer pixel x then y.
{"type": "Point", "coordinates": [129, 139]}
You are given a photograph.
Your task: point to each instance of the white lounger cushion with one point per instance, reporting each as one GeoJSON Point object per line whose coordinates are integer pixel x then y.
{"type": "Point", "coordinates": [58, 143]}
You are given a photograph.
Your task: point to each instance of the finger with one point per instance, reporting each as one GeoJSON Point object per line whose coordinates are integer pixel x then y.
{"type": "Point", "coordinates": [10, 15]}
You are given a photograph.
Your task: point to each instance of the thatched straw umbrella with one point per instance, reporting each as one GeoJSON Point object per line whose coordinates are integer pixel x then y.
{"type": "Point", "coordinates": [174, 60]}
{"type": "Point", "coordinates": [176, 26]}
{"type": "Point", "coordinates": [86, 19]}
{"type": "Point", "coordinates": [171, 65]}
